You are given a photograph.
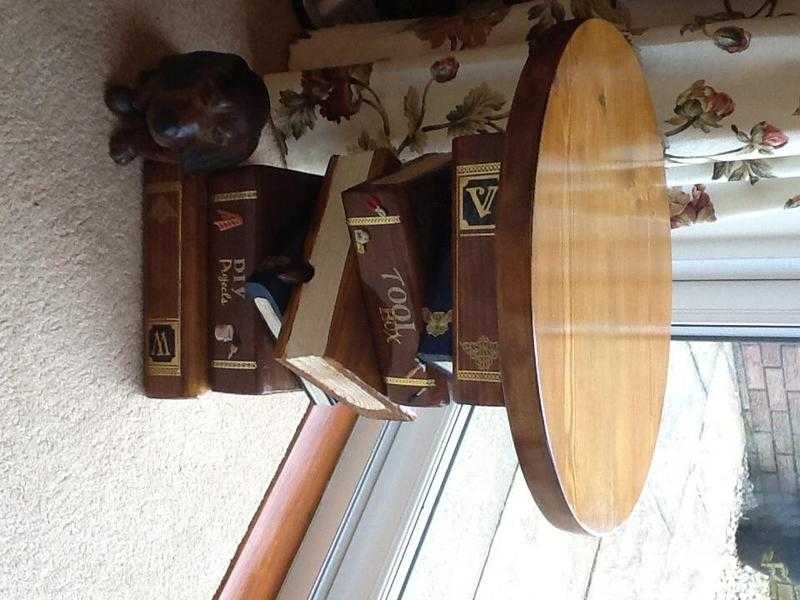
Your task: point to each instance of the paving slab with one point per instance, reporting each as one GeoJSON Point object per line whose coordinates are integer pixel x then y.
{"type": "Point", "coordinates": [701, 539]}
{"type": "Point", "coordinates": [530, 554]}
{"type": "Point", "coordinates": [681, 428]}
{"type": "Point", "coordinates": [459, 536]}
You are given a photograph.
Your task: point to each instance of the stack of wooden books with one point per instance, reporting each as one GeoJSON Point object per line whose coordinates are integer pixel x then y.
{"type": "Point", "coordinates": [373, 285]}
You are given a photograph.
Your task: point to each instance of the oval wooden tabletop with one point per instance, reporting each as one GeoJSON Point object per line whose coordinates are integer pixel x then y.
{"type": "Point", "coordinates": [584, 276]}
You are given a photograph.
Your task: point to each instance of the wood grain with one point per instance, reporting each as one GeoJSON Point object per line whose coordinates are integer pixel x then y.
{"type": "Point", "coordinates": [194, 278]}
{"type": "Point", "coordinates": [584, 206]}
{"type": "Point", "coordinates": [266, 553]}
{"type": "Point", "coordinates": [352, 345]}
{"type": "Point", "coordinates": [476, 378]}
{"type": "Point", "coordinates": [174, 282]}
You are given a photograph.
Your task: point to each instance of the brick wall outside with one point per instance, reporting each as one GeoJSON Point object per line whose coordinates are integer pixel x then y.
{"type": "Point", "coordinates": [770, 386]}
{"type": "Point", "coordinates": [768, 374]}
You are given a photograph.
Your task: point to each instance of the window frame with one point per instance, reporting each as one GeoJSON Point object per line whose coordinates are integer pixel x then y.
{"type": "Point", "coordinates": [391, 506]}
{"type": "Point", "coordinates": [279, 526]}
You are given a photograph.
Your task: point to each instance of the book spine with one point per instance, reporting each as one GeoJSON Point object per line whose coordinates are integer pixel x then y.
{"type": "Point", "coordinates": [174, 270]}
{"type": "Point", "coordinates": [241, 357]}
{"type": "Point", "coordinates": [389, 257]}
{"type": "Point", "coordinates": [476, 357]}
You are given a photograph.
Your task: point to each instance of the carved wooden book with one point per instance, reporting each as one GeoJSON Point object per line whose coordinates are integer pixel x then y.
{"type": "Point", "coordinates": [400, 226]}
{"type": "Point", "coordinates": [174, 282]}
{"type": "Point", "coordinates": [325, 336]}
{"type": "Point", "coordinates": [254, 212]}
{"type": "Point", "coordinates": [476, 358]}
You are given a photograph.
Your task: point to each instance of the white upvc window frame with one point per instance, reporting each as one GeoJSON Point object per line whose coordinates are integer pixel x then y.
{"type": "Point", "coordinates": [382, 494]}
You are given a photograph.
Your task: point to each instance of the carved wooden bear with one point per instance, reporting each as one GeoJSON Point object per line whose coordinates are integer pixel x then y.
{"type": "Point", "coordinates": [202, 110]}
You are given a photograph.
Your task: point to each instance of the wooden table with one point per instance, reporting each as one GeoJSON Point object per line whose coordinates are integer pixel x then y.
{"type": "Point", "coordinates": [584, 276]}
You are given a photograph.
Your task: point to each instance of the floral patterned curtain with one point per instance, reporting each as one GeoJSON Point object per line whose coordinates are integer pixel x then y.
{"type": "Point", "coordinates": [724, 76]}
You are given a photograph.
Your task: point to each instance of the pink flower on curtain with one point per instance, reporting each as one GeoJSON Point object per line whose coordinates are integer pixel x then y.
{"type": "Point", "coordinates": [338, 92]}
{"type": "Point", "coordinates": [767, 136]}
{"type": "Point", "coordinates": [700, 106]}
{"type": "Point", "coordinates": [763, 137]}
{"type": "Point", "coordinates": [732, 39]}
{"type": "Point", "coordinates": [444, 70]}
{"type": "Point", "coordinates": [690, 208]}
{"type": "Point", "coordinates": [720, 105]}
{"type": "Point", "coordinates": [335, 90]}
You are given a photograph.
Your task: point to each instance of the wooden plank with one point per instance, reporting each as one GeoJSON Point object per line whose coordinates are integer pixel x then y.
{"type": "Point", "coordinates": [260, 565]}
{"type": "Point", "coordinates": [601, 290]}
{"type": "Point", "coordinates": [583, 276]}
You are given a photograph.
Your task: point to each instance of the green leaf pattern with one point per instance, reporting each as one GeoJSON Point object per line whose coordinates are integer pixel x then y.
{"type": "Point", "coordinates": [341, 92]}
{"type": "Point", "coordinates": [480, 108]}
{"type": "Point", "coordinates": [295, 113]}
{"type": "Point", "coordinates": [753, 170]}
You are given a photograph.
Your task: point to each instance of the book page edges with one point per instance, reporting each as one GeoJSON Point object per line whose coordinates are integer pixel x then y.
{"type": "Point", "coordinates": [425, 164]}
{"type": "Point", "coordinates": [347, 387]}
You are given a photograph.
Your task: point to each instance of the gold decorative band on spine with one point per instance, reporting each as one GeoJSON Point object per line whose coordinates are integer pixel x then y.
{"type": "Point", "coordinates": [492, 168]}
{"type": "Point", "coordinates": [162, 320]}
{"type": "Point", "coordinates": [161, 187]}
{"type": "Point", "coordinates": [163, 371]}
{"type": "Point", "coordinates": [364, 221]}
{"type": "Point", "coordinates": [242, 365]}
{"type": "Point", "coordinates": [488, 376]}
{"type": "Point", "coordinates": [233, 196]}
{"type": "Point", "coordinates": [408, 381]}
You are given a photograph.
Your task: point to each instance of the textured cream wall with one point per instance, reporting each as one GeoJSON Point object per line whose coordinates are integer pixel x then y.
{"type": "Point", "coordinates": [104, 493]}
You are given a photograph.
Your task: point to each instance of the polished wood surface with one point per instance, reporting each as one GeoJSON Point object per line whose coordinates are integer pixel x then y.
{"type": "Point", "coordinates": [584, 275]}
{"type": "Point", "coordinates": [174, 274]}
{"type": "Point", "coordinates": [267, 551]}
